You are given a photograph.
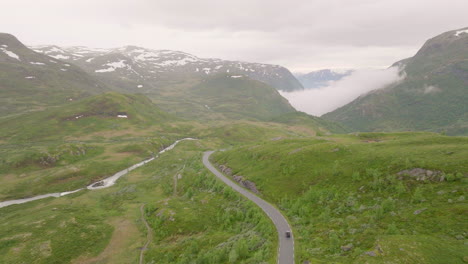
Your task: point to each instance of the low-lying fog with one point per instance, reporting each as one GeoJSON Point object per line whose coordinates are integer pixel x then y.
{"type": "Point", "coordinates": [338, 93]}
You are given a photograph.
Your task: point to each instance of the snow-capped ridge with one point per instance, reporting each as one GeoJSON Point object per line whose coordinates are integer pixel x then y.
{"type": "Point", "coordinates": [459, 32]}
{"type": "Point", "coordinates": [146, 65]}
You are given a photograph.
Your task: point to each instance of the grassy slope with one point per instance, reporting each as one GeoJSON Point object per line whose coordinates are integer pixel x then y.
{"type": "Point", "coordinates": [442, 63]}
{"type": "Point", "coordinates": [343, 189]}
{"type": "Point", "coordinates": [320, 125]}
{"type": "Point", "coordinates": [90, 115]}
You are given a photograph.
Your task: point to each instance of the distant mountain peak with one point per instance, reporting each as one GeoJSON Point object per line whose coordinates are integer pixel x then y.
{"type": "Point", "coordinates": [321, 78]}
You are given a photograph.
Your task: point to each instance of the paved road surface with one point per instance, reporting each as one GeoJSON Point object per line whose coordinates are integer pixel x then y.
{"type": "Point", "coordinates": [286, 245]}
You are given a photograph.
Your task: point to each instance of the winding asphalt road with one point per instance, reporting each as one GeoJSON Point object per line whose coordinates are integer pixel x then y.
{"type": "Point", "coordinates": [286, 245]}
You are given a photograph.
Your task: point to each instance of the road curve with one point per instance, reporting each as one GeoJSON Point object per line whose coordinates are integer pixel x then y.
{"type": "Point", "coordinates": [286, 245]}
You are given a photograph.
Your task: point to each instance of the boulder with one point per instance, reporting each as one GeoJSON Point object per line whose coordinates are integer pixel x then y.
{"type": "Point", "coordinates": [419, 211]}
{"type": "Point", "coordinates": [371, 253]}
{"type": "Point", "coordinates": [420, 174]}
{"type": "Point", "coordinates": [226, 170]}
{"type": "Point", "coordinates": [347, 247]}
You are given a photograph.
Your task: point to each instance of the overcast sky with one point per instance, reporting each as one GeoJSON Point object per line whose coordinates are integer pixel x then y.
{"type": "Point", "coordinates": [302, 35]}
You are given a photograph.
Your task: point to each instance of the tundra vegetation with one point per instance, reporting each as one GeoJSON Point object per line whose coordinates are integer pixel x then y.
{"type": "Point", "coordinates": [369, 197]}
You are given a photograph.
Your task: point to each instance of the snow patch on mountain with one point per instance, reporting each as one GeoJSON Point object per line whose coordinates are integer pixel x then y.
{"type": "Point", "coordinates": [459, 32]}
{"type": "Point", "coordinates": [60, 57]}
{"type": "Point", "coordinates": [55, 49]}
{"type": "Point", "coordinates": [431, 89]}
{"type": "Point", "coordinates": [9, 53]}
{"type": "Point", "coordinates": [179, 62]}
{"type": "Point", "coordinates": [113, 66]}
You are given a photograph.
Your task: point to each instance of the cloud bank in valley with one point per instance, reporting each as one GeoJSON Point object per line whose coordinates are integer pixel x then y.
{"type": "Point", "coordinates": [321, 101]}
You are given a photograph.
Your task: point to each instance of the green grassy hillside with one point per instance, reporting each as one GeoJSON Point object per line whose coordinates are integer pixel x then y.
{"type": "Point", "coordinates": [433, 96]}
{"type": "Point", "coordinates": [344, 191]}
{"type": "Point", "coordinates": [34, 81]}
{"type": "Point", "coordinates": [85, 117]}
{"type": "Point", "coordinates": [70, 146]}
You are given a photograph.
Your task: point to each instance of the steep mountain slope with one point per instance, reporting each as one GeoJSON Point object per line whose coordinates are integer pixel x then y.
{"type": "Point", "coordinates": [134, 68]}
{"type": "Point", "coordinates": [29, 80]}
{"type": "Point", "coordinates": [433, 96]}
{"type": "Point", "coordinates": [222, 96]}
{"type": "Point", "coordinates": [321, 78]}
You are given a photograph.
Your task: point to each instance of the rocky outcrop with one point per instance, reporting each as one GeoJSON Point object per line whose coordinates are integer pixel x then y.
{"type": "Point", "coordinates": [347, 247]}
{"type": "Point", "coordinates": [225, 170]}
{"type": "Point", "coordinates": [239, 179]}
{"type": "Point", "coordinates": [423, 175]}
{"type": "Point", "coordinates": [246, 183]}
{"type": "Point", "coordinates": [49, 159]}
{"type": "Point", "coordinates": [98, 184]}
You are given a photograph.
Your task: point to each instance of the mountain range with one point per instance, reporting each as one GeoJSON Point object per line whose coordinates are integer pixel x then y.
{"type": "Point", "coordinates": [140, 69]}
{"type": "Point", "coordinates": [321, 78]}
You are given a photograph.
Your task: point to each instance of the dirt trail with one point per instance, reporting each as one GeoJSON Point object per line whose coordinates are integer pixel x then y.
{"type": "Point", "coordinates": [149, 234]}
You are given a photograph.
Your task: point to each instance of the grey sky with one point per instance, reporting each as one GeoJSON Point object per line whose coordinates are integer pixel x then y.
{"type": "Point", "coordinates": [299, 34]}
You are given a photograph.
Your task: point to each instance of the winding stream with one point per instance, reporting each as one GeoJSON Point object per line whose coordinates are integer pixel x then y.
{"type": "Point", "coordinates": [107, 182]}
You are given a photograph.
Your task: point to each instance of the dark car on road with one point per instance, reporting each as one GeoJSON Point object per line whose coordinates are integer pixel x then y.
{"type": "Point", "coordinates": [288, 234]}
